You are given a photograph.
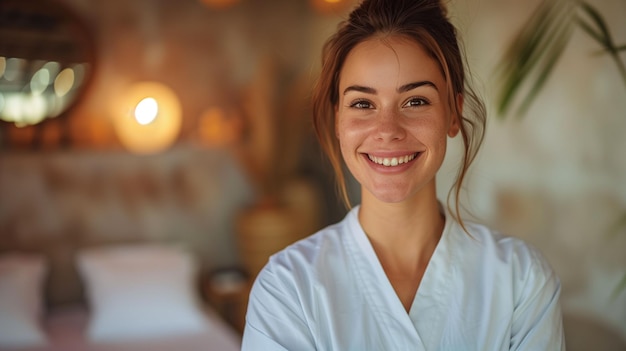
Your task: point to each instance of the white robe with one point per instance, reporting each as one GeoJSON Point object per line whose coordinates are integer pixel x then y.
{"type": "Point", "coordinates": [329, 292]}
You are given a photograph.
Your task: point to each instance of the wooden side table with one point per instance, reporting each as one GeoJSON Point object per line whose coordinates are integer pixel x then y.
{"type": "Point", "coordinates": [227, 292]}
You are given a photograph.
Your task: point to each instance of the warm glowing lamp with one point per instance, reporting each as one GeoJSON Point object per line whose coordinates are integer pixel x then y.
{"type": "Point", "coordinates": [331, 6]}
{"type": "Point", "coordinates": [148, 118]}
{"type": "Point", "coordinates": [146, 111]}
{"type": "Point", "coordinates": [219, 4]}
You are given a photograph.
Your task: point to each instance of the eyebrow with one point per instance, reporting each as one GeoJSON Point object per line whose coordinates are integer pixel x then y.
{"type": "Point", "coordinates": [402, 89]}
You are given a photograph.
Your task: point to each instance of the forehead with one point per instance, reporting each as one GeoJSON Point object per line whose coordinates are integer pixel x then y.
{"type": "Point", "coordinates": [389, 60]}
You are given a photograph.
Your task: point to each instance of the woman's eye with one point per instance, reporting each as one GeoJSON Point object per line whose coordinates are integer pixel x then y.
{"type": "Point", "coordinates": [414, 102]}
{"type": "Point", "coordinates": [361, 104]}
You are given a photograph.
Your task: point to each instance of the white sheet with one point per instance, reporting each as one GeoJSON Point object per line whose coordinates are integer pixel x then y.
{"type": "Point", "coordinates": [66, 329]}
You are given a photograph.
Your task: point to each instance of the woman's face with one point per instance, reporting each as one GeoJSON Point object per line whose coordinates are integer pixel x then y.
{"type": "Point", "coordinates": [393, 117]}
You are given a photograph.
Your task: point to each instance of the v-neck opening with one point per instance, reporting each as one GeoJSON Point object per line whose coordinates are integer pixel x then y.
{"type": "Point", "coordinates": [436, 286]}
{"type": "Point", "coordinates": [429, 278]}
{"type": "Point", "coordinates": [428, 274]}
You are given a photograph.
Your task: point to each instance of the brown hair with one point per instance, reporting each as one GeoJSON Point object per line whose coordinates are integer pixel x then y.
{"type": "Point", "coordinates": [425, 22]}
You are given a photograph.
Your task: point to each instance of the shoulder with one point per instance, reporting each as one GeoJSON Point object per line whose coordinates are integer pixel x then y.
{"type": "Point", "coordinates": [515, 278]}
{"type": "Point", "coordinates": [279, 306]}
{"type": "Point", "coordinates": [517, 259]}
{"type": "Point", "coordinates": [505, 248]}
{"type": "Point", "coordinates": [304, 257]}
{"type": "Point", "coordinates": [300, 265]}
{"type": "Point", "coordinates": [284, 288]}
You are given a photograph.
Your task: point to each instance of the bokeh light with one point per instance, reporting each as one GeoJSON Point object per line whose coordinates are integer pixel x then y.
{"type": "Point", "coordinates": [64, 82]}
{"type": "Point", "coordinates": [146, 111]}
{"type": "Point", "coordinates": [134, 109]}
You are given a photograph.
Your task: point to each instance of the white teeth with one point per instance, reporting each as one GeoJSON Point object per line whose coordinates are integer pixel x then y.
{"type": "Point", "coordinates": [391, 162]}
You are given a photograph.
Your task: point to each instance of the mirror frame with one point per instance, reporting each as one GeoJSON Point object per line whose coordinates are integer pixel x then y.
{"type": "Point", "coordinates": [70, 39]}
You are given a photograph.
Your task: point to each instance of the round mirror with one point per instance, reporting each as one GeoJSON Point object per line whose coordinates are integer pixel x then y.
{"type": "Point", "coordinates": [46, 61]}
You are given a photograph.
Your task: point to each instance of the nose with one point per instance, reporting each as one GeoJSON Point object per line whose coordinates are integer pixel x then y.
{"type": "Point", "coordinates": [389, 126]}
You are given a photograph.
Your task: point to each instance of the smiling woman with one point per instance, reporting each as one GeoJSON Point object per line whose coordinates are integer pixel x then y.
{"type": "Point", "coordinates": [401, 271]}
{"type": "Point", "coordinates": [381, 121]}
{"type": "Point", "coordinates": [46, 64]}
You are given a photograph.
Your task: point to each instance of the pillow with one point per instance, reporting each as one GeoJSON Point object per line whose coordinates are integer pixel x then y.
{"type": "Point", "coordinates": [21, 282]}
{"type": "Point", "coordinates": [140, 291]}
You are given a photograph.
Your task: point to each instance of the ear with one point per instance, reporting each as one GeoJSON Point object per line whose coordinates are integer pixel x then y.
{"type": "Point", "coordinates": [455, 123]}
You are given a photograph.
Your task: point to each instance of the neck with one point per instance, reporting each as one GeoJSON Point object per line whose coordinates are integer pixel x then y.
{"type": "Point", "coordinates": [409, 230]}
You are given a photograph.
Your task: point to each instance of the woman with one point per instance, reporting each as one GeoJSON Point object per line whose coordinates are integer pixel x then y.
{"type": "Point", "coordinates": [401, 272]}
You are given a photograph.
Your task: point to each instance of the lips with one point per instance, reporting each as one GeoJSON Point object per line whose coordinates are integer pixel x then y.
{"type": "Point", "coordinates": [392, 161]}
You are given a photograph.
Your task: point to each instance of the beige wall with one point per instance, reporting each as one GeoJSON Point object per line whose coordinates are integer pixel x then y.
{"type": "Point", "coordinates": [557, 176]}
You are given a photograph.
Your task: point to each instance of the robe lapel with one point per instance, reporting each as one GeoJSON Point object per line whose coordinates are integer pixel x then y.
{"type": "Point", "coordinates": [397, 328]}
{"type": "Point", "coordinates": [430, 308]}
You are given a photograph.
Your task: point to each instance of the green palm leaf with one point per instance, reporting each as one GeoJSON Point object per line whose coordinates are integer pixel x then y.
{"type": "Point", "coordinates": [535, 51]}
{"type": "Point", "coordinates": [603, 36]}
{"type": "Point", "coordinates": [529, 61]}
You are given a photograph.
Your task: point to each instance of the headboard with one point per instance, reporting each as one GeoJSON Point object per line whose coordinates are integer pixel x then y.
{"type": "Point", "coordinates": [58, 203]}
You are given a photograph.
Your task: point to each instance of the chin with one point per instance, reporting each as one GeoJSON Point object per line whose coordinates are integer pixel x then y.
{"type": "Point", "coordinates": [390, 197]}
{"type": "Point", "coordinates": [401, 193]}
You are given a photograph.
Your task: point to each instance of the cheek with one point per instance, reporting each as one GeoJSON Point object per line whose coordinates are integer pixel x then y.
{"type": "Point", "coordinates": [345, 137]}
{"type": "Point", "coordinates": [351, 135]}
{"type": "Point", "coordinates": [343, 128]}
{"type": "Point", "coordinates": [440, 139]}
{"type": "Point", "coordinates": [352, 132]}
{"type": "Point", "coordinates": [432, 132]}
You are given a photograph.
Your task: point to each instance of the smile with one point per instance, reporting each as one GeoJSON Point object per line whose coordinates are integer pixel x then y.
{"type": "Point", "coordinates": [392, 161]}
